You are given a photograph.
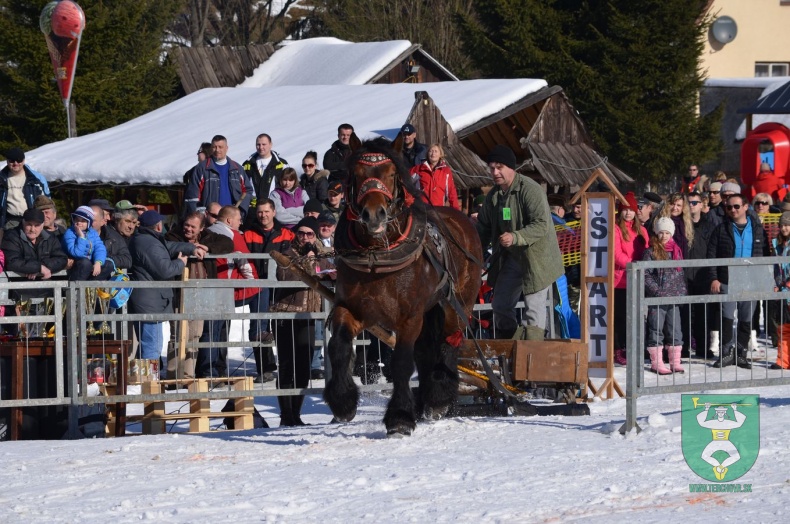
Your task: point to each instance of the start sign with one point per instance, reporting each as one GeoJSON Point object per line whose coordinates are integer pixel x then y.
{"type": "Point", "coordinates": [599, 262]}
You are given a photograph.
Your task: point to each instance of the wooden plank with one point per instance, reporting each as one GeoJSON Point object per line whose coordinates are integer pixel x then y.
{"type": "Point", "coordinates": [152, 421]}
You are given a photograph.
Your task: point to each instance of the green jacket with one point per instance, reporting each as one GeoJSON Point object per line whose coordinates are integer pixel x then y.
{"type": "Point", "coordinates": [530, 222]}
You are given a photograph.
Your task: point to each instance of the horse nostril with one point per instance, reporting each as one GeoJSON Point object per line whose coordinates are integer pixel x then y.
{"type": "Point", "coordinates": [365, 215]}
{"type": "Point", "coordinates": [381, 214]}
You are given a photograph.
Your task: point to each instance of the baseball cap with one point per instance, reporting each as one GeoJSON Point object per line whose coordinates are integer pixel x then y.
{"type": "Point", "coordinates": [33, 215]}
{"type": "Point", "coordinates": [101, 203]}
{"type": "Point", "coordinates": [15, 155]}
{"type": "Point", "coordinates": [408, 129]}
{"type": "Point", "coordinates": [326, 217]}
{"type": "Point", "coordinates": [150, 218]}
{"type": "Point", "coordinates": [123, 204]}
{"type": "Point", "coordinates": [335, 187]}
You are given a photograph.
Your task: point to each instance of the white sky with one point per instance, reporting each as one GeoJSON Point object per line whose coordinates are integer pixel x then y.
{"type": "Point", "coordinates": [159, 147]}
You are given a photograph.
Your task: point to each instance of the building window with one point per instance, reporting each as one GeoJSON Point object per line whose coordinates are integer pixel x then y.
{"type": "Point", "coordinates": [771, 69]}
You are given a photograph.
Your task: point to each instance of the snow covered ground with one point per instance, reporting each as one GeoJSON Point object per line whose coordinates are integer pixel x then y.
{"type": "Point", "coordinates": [549, 469]}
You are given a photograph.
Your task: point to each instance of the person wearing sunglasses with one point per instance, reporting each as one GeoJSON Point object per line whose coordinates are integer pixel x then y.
{"type": "Point", "coordinates": [19, 188]}
{"type": "Point", "coordinates": [741, 235]}
{"type": "Point", "coordinates": [314, 181]}
{"type": "Point", "coordinates": [295, 337]}
{"type": "Point", "coordinates": [762, 203]}
{"type": "Point", "coordinates": [704, 332]}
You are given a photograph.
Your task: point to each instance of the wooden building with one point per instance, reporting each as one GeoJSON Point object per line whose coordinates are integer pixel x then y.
{"type": "Point", "coordinates": [551, 143]}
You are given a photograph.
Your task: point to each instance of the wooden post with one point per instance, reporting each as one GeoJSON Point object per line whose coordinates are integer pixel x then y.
{"type": "Point", "coordinates": [184, 324]}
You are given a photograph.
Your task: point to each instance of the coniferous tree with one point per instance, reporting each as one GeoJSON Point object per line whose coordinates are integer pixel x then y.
{"type": "Point", "coordinates": [122, 71]}
{"type": "Point", "coordinates": [631, 68]}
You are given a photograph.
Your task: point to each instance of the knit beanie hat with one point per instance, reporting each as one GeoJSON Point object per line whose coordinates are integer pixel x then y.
{"type": "Point", "coordinates": [502, 155]}
{"type": "Point", "coordinates": [664, 224]}
{"type": "Point", "coordinates": [85, 213]}
{"type": "Point", "coordinates": [632, 203]}
{"type": "Point", "coordinates": [715, 186]}
{"type": "Point", "coordinates": [310, 222]}
{"type": "Point", "coordinates": [785, 219]}
{"type": "Point", "coordinates": [729, 187]}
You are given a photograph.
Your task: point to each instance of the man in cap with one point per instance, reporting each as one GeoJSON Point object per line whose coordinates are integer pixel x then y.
{"type": "Point", "coordinates": [414, 153]}
{"type": "Point", "coordinates": [335, 158]}
{"type": "Point", "coordinates": [107, 209]}
{"type": "Point", "coordinates": [155, 259]}
{"type": "Point", "coordinates": [45, 204]}
{"type": "Point", "coordinates": [334, 200]}
{"type": "Point", "coordinates": [125, 220]}
{"type": "Point", "coordinates": [32, 253]}
{"type": "Point", "coordinates": [526, 258]}
{"type": "Point", "coordinates": [19, 187]}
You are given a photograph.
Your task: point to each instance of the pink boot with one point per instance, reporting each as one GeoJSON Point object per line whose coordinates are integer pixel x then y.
{"type": "Point", "coordinates": [674, 359]}
{"type": "Point", "coordinates": [657, 361]}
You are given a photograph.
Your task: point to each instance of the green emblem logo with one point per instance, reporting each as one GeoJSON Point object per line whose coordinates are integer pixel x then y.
{"type": "Point", "coordinates": [720, 434]}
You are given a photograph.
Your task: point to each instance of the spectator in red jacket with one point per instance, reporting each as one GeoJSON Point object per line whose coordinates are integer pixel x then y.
{"type": "Point", "coordinates": [436, 179]}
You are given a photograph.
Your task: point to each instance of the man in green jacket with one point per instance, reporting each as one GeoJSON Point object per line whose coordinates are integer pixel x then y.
{"type": "Point", "coordinates": [526, 258]}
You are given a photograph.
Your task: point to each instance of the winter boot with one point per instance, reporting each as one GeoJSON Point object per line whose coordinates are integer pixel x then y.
{"type": "Point", "coordinates": [727, 357]}
{"type": "Point", "coordinates": [657, 361]}
{"type": "Point", "coordinates": [674, 359]}
{"type": "Point", "coordinates": [783, 351]}
{"type": "Point", "coordinates": [620, 357]}
{"type": "Point", "coordinates": [713, 348]}
{"type": "Point", "coordinates": [742, 356]}
{"type": "Point", "coordinates": [296, 406]}
{"type": "Point", "coordinates": [286, 411]}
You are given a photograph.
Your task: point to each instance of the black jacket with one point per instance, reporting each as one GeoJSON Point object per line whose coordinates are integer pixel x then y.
{"type": "Point", "coordinates": [116, 247]}
{"type": "Point", "coordinates": [152, 260]}
{"type": "Point", "coordinates": [317, 188]}
{"type": "Point", "coordinates": [262, 182]}
{"type": "Point", "coordinates": [416, 155]}
{"type": "Point", "coordinates": [25, 258]}
{"type": "Point", "coordinates": [698, 277]}
{"type": "Point", "coordinates": [722, 245]}
{"type": "Point", "coordinates": [335, 162]}
{"type": "Point", "coordinates": [217, 245]}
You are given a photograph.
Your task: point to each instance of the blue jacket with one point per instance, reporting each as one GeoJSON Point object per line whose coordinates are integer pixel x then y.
{"type": "Point", "coordinates": [203, 186]}
{"type": "Point", "coordinates": [90, 247]}
{"type": "Point", "coordinates": [35, 185]}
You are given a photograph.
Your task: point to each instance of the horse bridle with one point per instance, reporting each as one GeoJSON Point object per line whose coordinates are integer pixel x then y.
{"type": "Point", "coordinates": [374, 185]}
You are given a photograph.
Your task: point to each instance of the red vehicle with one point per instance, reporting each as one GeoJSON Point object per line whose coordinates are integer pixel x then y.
{"type": "Point", "coordinates": [765, 159]}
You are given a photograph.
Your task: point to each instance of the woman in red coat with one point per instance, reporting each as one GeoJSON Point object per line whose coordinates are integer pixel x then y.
{"type": "Point", "coordinates": [436, 179]}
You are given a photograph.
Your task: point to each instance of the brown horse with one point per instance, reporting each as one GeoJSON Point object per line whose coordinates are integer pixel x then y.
{"type": "Point", "coordinates": [408, 268]}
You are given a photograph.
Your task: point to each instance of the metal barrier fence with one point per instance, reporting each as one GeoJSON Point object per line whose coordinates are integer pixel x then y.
{"type": "Point", "coordinates": [750, 280]}
{"type": "Point", "coordinates": [72, 347]}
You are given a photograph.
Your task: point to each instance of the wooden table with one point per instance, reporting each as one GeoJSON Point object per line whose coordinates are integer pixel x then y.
{"type": "Point", "coordinates": [20, 349]}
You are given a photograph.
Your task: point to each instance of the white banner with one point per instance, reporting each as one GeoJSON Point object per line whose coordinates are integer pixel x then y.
{"type": "Point", "coordinates": [598, 315]}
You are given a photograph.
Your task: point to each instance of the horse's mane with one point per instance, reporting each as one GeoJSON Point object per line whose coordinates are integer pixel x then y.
{"type": "Point", "coordinates": [384, 146]}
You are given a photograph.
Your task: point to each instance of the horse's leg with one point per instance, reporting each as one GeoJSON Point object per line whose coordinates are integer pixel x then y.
{"type": "Point", "coordinates": [340, 392]}
{"type": "Point", "coordinates": [437, 366]}
{"type": "Point", "coordinates": [400, 418]}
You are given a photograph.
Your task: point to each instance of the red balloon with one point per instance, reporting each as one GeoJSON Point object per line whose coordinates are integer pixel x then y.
{"type": "Point", "coordinates": [68, 20]}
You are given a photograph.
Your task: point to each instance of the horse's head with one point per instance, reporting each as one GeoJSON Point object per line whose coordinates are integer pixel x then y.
{"type": "Point", "coordinates": [378, 183]}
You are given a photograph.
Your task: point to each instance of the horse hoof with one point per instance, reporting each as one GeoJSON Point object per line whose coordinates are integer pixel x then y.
{"type": "Point", "coordinates": [399, 432]}
{"type": "Point", "coordinates": [344, 418]}
{"type": "Point", "coordinates": [436, 413]}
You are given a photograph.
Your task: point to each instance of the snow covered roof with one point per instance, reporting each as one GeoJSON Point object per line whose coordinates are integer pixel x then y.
{"type": "Point", "coordinates": [159, 147]}
{"type": "Point", "coordinates": [760, 82]}
{"type": "Point", "coordinates": [326, 61]}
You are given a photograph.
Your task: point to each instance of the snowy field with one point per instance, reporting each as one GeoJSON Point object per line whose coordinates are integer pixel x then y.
{"type": "Point", "coordinates": [473, 470]}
